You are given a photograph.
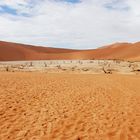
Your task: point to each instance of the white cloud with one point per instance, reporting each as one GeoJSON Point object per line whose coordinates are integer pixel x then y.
{"type": "Point", "coordinates": [88, 24]}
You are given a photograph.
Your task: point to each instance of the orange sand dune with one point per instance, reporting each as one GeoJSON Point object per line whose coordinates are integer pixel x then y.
{"type": "Point", "coordinates": [14, 51]}
{"type": "Point", "coordinates": [39, 106]}
{"type": "Point", "coordinates": [120, 51]}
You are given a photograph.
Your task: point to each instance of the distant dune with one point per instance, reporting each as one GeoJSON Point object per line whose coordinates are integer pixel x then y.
{"type": "Point", "coordinates": [14, 51]}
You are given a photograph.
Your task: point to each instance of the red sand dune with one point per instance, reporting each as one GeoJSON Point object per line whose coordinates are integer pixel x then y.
{"type": "Point", "coordinates": [13, 51]}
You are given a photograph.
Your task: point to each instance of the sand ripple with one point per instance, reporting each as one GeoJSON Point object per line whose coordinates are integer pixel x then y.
{"type": "Point", "coordinates": [39, 106]}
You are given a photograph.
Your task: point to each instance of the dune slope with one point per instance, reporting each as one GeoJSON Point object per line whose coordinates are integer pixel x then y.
{"type": "Point", "coordinates": [13, 51]}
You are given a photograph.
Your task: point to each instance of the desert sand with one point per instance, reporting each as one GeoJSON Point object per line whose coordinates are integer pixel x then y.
{"type": "Point", "coordinates": [122, 51]}
{"type": "Point", "coordinates": [41, 106]}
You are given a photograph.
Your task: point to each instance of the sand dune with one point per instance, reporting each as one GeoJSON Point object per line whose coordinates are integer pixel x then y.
{"type": "Point", "coordinates": [13, 51]}
{"type": "Point", "coordinates": [35, 106]}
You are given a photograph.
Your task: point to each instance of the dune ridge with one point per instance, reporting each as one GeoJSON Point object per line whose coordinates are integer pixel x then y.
{"type": "Point", "coordinates": [14, 51]}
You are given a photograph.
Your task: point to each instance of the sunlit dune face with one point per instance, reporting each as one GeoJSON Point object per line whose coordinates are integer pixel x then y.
{"type": "Point", "coordinates": [124, 51]}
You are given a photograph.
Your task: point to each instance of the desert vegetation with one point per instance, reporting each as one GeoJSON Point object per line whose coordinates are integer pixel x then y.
{"type": "Point", "coordinates": [74, 66]}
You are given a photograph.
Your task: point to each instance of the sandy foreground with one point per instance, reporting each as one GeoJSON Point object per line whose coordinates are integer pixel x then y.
{"type": "Point", "coordinates": [41, 106]}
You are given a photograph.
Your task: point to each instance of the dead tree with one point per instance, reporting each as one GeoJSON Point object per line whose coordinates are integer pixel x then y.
{"type": "Point", "coordinates": [107, 71]}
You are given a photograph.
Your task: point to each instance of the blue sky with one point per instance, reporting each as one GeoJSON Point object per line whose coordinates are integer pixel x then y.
{"type": "Point", "coordinates": [4, 9]}
{"type": "Point", "coordinates": [117, 5]}
{"type": "Point", "coordinates": [80, 24]}
{"type": "Point", "coordinates": [7, 9]}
